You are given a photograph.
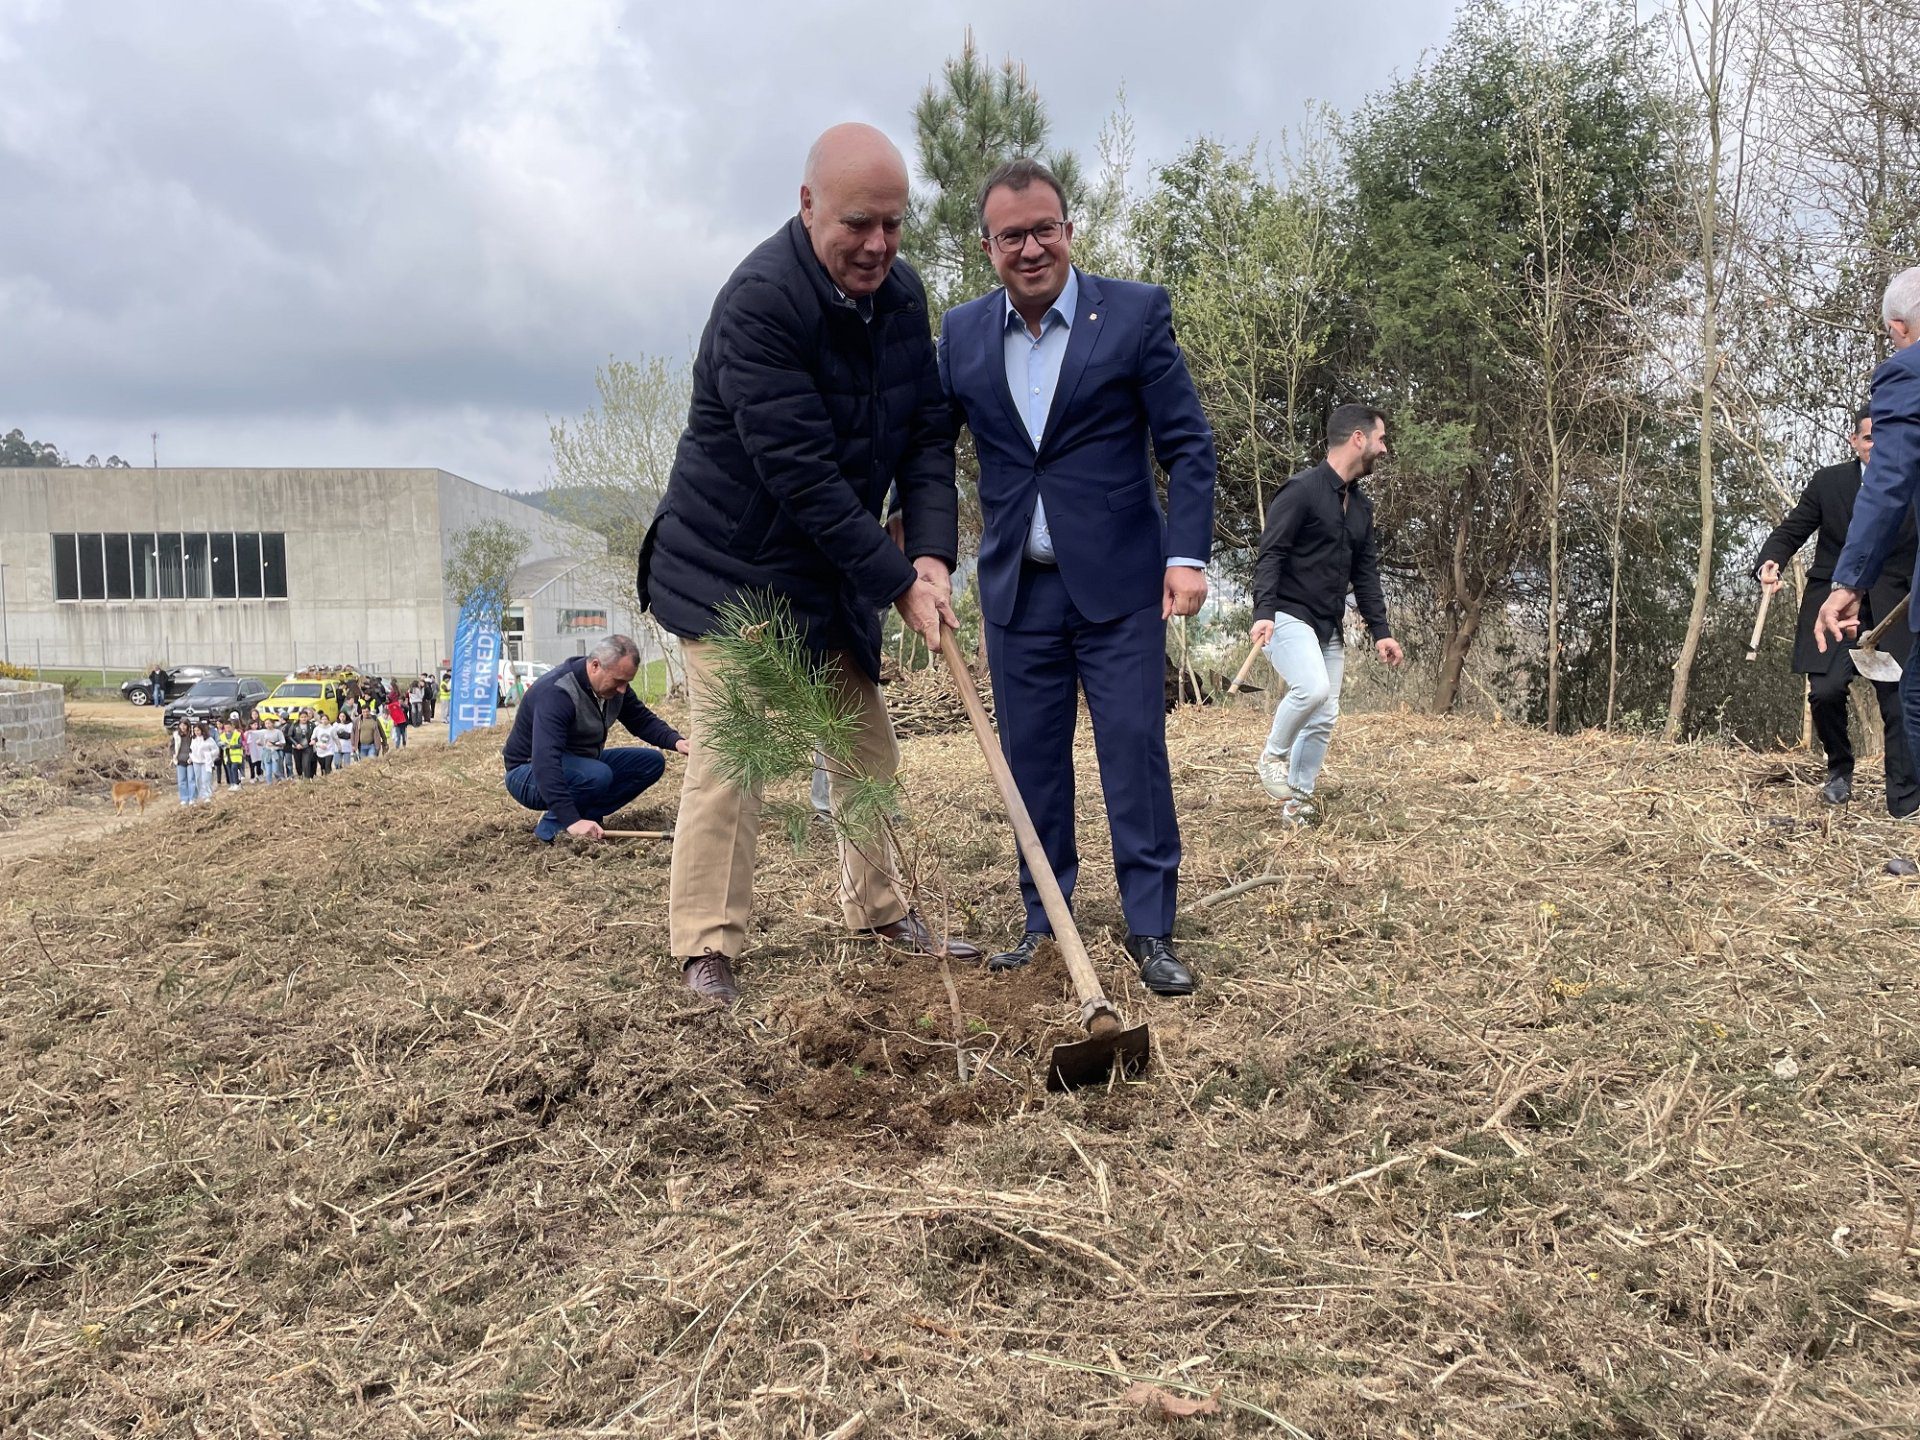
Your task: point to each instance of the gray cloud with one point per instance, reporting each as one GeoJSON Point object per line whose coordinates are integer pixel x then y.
{"type": "Point", "coordinates": [323, 232]}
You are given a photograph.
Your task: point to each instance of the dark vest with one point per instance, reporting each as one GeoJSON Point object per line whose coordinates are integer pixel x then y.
{"type": "Point", "coordinates": [592, 716]}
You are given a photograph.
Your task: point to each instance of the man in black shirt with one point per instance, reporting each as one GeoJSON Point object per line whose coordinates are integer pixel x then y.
{"type": "Point", "coordinates": [1318, 543]}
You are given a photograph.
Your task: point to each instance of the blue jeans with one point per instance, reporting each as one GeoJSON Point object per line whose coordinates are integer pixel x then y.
{"type": "Point", "coordinates": [184, 774]}
{"type": "Point", "coordinates": [367, 752]}
{"type": "Point", "coordinates": [598, 787]}
{"type": "Point", "coordinates": [1303, 722]}
{"type": "Point", "coordinates": [203, 783]}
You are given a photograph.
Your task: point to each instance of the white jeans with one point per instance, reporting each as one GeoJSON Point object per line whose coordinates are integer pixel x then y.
{"type": "Point", "coordinates": [1303, 722]}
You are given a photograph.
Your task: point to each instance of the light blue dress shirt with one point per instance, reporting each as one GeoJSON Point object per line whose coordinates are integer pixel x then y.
{"type": "Point", "coordinates": [1033, 373]}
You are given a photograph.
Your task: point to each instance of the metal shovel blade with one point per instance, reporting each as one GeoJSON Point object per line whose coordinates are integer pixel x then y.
{"type": "Point", "coordinates": [1093, 1060]}
{"type": "Point", "coordinates": [1877, 666]}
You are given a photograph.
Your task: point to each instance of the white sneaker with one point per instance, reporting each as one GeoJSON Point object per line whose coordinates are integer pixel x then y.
{"type": "Point", "coordinates": [1299, 811]}
{"type": "Point", "coordinates": [1273, 776]}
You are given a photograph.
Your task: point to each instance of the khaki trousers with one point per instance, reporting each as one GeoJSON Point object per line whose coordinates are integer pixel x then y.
{"type": "Point", "coordinates": [710, 891]}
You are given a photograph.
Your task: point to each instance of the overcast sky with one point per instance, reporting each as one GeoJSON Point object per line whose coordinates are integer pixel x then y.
{"type": "Point", "coordinates": [346, 232]}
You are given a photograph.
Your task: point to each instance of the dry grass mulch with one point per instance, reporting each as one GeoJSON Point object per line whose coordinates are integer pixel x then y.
{"type": "Point", "coordinates": [1552, 1087]}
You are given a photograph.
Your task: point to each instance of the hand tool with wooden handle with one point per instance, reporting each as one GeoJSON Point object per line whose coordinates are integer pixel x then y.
{"type": "Point", "coordinates": [1869, 659]}
{"type": "Point", "coordinates": [1108, 1046]}
{"type": "Point", "coordinates": [1245, 666]}
{"type": "Point", "coordinates": [1759, 624]}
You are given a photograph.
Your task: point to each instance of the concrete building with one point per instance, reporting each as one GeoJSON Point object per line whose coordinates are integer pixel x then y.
{"type": "Point", "coordinates": [268, 570]}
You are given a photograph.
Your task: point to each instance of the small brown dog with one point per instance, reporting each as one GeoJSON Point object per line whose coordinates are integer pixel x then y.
{"type": "Point", "coordinates": [139, 791]}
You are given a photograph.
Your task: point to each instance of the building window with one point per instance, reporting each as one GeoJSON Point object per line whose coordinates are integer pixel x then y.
{"type": "Point", "coordinates": [196, 554]}
{"type": "Point", "coordinates": [170, 566]}
{"type": "Point", "coordinates": [119, 568]}
{"type": "Point", "coordinates": [146, 566]}
{"type": "Point", "coordinates": [220, 558]}
{"type": "Point", "coordinates": [93, 568]}
{"type": "Point", "coordinates": [66, 569]}
{"type": "Point", "coordinates": [247, 566]}
{"type": "Point", "coordinates": [581, 622]}
{"type": "Point", "coordinates": [273, 566]}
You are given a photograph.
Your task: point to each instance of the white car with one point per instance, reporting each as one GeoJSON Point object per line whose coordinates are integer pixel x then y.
{"type": "Point", "coordinates": [525, 671]}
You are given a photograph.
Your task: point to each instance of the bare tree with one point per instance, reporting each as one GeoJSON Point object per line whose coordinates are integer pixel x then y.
{"type": "Point", "coordinates": [1723, 44]}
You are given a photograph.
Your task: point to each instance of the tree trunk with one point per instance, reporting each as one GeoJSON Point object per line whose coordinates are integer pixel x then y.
{"type": "Point", "coordinates": [1712, 74]}
{"type": "Point", "coordinates": [1613, 582]}
{"type": "Point", "coordinates": [1453, 660]}
{"type": "Point", "coordinates": [1553, 573]}
{"type": "Point", "coordinates": [1703, 572]}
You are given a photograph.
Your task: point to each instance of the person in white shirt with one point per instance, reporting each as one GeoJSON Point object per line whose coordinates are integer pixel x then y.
{"type": "Point", "coordinates": [205, 752]}
{"type": "Point", "coordinates": [343, 741]}
{"type": "Point", "coordinates": [323, 745]}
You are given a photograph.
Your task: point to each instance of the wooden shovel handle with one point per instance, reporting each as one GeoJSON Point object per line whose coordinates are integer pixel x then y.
{"type": "Point", "coordinates": [1759, 624]}
{"type": "Point", "coordinates": [1871, 640]}
{"type": "Point", "coordinates": [1066, 934]}
{"type": "Point", "coordinates": [1245, 666]}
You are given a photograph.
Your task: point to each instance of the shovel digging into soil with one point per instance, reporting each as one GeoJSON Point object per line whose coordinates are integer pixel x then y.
{"type": "Point", "coordinates": [1109, 1046]}
{"type": "Point", "coordinates": [1869, 659]}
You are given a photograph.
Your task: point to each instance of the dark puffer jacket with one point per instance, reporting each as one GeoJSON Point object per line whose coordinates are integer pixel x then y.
{"type": "Point", "coordinates": [803, 416]}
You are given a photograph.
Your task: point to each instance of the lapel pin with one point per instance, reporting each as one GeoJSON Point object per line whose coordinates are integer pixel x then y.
{"type": "Point", "coordinates": [1093, 314]}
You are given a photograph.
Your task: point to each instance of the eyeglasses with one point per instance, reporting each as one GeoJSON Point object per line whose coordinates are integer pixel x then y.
{"type": "Point", "coordinates": [1012, 242]}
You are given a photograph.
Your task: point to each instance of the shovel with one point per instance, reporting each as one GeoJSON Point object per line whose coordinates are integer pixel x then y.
{"type": "Point", "coordinates": [1759, 624]}
{"type": "Point", "coordinates": [1869, 659]}
{"type": "Point", "coordinates": [1109, 1046]}
{"type": "Point", "coordinates": [1245, 665]}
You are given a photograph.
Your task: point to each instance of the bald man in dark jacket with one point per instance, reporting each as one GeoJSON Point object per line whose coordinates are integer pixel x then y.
{"type": "Point", "coordinates": [814, 391]}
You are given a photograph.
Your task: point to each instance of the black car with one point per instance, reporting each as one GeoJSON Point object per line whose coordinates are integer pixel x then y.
{"type": "Point", "coordinates": [180, 679]}
{"type": "Point", "coordinates": [217, 697]}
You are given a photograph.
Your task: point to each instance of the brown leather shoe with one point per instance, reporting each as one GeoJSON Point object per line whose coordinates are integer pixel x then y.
{"type": "Point", "coordinates": [710, 977]}
{"type": "Point", "coordinates": [910, 932]}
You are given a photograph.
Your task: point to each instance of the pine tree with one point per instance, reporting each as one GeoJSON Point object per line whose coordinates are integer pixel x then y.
{"type": "Point", "coordinates": [969, 120]}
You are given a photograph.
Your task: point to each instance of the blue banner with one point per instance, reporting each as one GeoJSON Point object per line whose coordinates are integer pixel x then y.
{"type": "Point", "coordinates": [476, 667]}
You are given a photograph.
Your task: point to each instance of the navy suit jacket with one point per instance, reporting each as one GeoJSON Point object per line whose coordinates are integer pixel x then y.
{"type": "Point", "coordinates": [1123, 387]}
{"type": "Point", "coordinates": [1892, 478]}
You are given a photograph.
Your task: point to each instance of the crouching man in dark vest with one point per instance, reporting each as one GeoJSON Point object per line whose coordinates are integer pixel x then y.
{"type": "Point", "coordinates": [557, 760]}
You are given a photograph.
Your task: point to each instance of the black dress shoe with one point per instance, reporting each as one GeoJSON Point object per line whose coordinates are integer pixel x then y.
{"type": "Point", "coordinates": [1838, 790]}
{"type": "Point", "coordinates": [1160, 969]}
{"type": "Point", "coordinates": [1021, 954]}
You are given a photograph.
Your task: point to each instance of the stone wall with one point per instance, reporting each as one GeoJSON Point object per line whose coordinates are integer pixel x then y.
{"type": "Point", "coordinates": [33, 722]}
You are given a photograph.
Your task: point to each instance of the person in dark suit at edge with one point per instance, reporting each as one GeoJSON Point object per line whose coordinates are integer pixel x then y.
{"type": "Point", "coordinates": [1884, 506]}
{"type": "Point", "coordinates": [1824, 510]}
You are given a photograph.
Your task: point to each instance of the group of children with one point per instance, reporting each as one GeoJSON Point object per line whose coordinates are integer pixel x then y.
{"type": "Point", "coordinates": [264, 750]}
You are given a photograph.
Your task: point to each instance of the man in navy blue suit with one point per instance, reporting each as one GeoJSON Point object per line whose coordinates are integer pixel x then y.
{"type": "Point", "coordinates": [1066, 379]}
{"type": "Point", "coordinates": [1887, 491]}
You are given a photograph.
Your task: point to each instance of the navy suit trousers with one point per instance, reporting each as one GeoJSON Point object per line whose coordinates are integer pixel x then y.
{"type": "Point", "coordinates": [1041, 660]}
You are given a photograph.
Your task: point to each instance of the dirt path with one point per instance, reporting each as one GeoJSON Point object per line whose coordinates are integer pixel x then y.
{"type": "Point", "coordinates": [46, 834]}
